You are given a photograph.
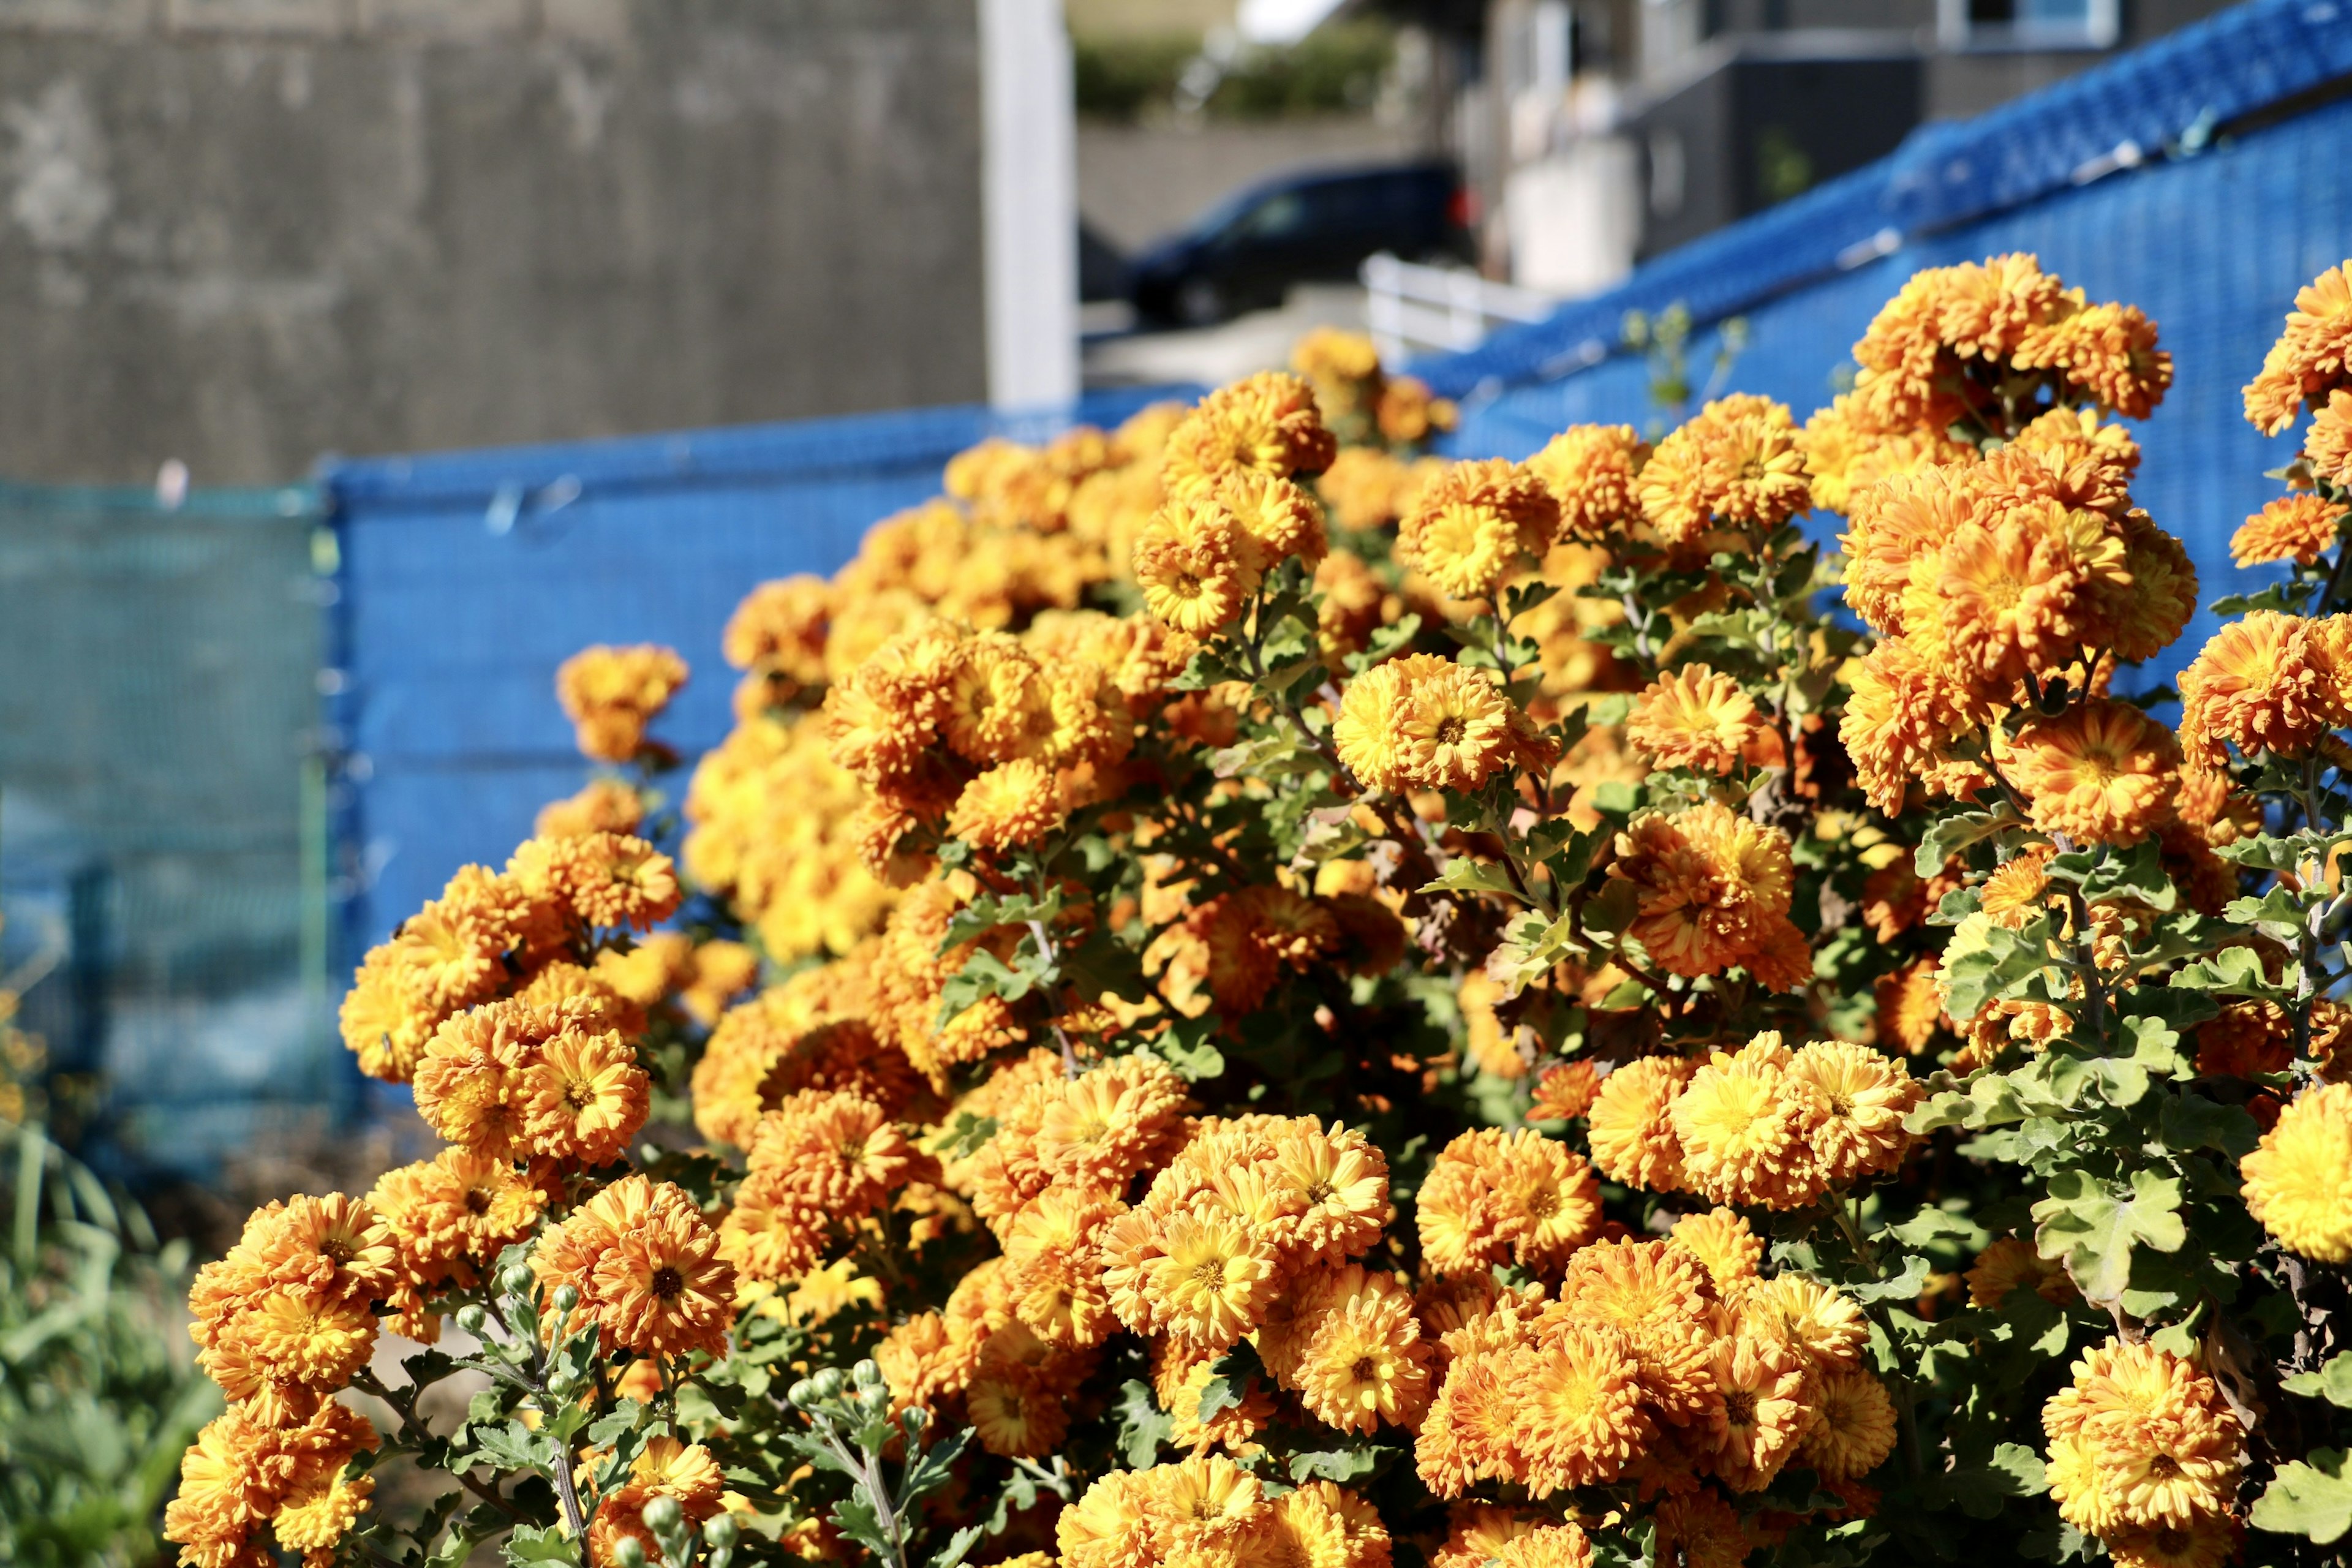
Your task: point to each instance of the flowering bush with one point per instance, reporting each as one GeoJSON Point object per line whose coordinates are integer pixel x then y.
{"type": "Point", "coordinates": [1319, 1005]}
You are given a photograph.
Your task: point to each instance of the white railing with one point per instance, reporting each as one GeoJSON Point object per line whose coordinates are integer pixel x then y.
{"type": "Point", "coordinates": [1410, 308]}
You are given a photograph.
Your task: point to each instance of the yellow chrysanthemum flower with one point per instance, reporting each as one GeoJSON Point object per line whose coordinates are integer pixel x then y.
{"type": "Point", "coordinates": [1580, 1398]}
{"type": "Point", "coordinates": [1474, 524]}
{"type": "Point", "coordinates": [1855, 1430]}
{"type": "Point", "coordinates": [1214, 1280]}
{"type": "Point", "coordinates": [1733, 464]}
{"type": "Point", "coordinates": [1763, 1403]}
{"type": "Point", "coordinates": [2309, 357]}
{"type": "Point", "coordinates": [2266, 682]}
{"type": "Point", "coordinates": [1365, 1363]}
{"type": "Point", "coordinates": [2141, 1438]}
{"type": "Point", "coordinates": [2298, 1181]}
{"type": "Point", "coordinates": [1630, 1130]}
{"type": "Point", "coordinates": [1724, 1244]}
{"type": "Point", "coordinates": [1868, 1094]}
{"type": "Point", "coordinates": [1746, 1125]}
{"type": "Point", "coordinates": [2299, 528]}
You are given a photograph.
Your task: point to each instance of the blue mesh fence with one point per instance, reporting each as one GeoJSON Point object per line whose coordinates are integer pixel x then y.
{"type": "Point", "coordinates": [2200, 179]}
{"type": "Point", "coordinates": [466, 578]}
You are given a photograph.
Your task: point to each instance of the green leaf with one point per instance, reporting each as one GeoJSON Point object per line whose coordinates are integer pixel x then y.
{"type": "Point", "coordinates": [957, 1548]}
{"type": "Point", "coordinates": [1143, 1426]}
{"type": "Point", "coordinates": [2332, 1382]}
{"type": "Point", "coordinates": [537, 1544]}
{"type": "Point", "coordinates": [1905, 1286]}
{"type": "Point", "coordinates": [1530, 946]}
{"type": "Point", "coordinates": [1984, 962]}
{"type": "Point", "coordinates": [1985, 1490]}
{"type": "Point", "coordinates": [2232, 971]}
{"type": "Point", "coordinates": [2095, 1227]}
{"type": "Point", "coordinates": [2192, 1121]}
{"type": "Point", "coordinates": [1386, 640]}
{"type": "Point", "coordinates": [988, 911]}
{"type": "Point", "coordinates": [2262, 852]}
{"type": "Point", "coordinates": [1615, 796]}
{"type": "Point", "coordinates": [2156, 1046]}
{"type": "Point", "coordinates": [1184, 1046]}
{"type": "Point", "coordinates": [1958, 832]}
{"type": "Point", "coordinates": [1345, 1466]}
{"type": "Point", "coordinates": [2138, 876]}
{"type": "Point", "coordinates": [2312, 1498]}
{"type": "Point", "coordinates": [1988, 1100]}
{"type": "Point", "coordinates": [610, 1428]}
{"type": "Point", "coordinates": [1464, 874]}
{"type": "Point", "coordinates": [1613, 909]}
{"type": "Point", "coordinates": [1230, 1380]}
{"type": "Point", "coordinates": [514, 1446]}
{"type": "Point", "coordinates": [985, 975]}
{"type": "Point", "coordinates": [2277, 914]}
{"type": "Point", "coordinates": [1273, 756]}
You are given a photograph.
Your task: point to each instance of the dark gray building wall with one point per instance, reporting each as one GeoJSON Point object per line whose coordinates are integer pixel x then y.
{"type": "Point", "coordinates": [244, 232]}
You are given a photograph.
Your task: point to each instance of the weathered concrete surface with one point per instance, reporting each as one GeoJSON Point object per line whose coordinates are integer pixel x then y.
{"type": "Point", "coordinates": [245, 232]}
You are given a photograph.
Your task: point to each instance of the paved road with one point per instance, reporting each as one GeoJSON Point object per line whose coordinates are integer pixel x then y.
{"type": "Point", "coordinates": [1213, 355]}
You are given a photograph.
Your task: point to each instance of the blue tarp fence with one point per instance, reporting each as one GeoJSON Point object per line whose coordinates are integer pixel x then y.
{"type": "Point", "coordinates": [2201, 178]}
{"type": "Point", "coordinates": [463, 579]}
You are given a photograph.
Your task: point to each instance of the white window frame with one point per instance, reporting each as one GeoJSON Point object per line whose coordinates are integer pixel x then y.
{"type": "Point", "coordinates": [2100, 28]}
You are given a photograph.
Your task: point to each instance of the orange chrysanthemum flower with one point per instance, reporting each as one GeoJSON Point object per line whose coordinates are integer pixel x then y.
{"type": "Point", "coordinates": [1267, 423]}
{"type": "Point", "coordinates": [2141, 1439]}
{"type": "Point", "coordinates": [611, 694]}
{"type": "Point", "coordinates": [1194, 564]}
{"type": "Point", "coordinates": [1580, 1395]}
{"type": "Point", "coordinates": [1762, 1403]}
{"type": "Point", "coordinates": [1591, 471]}
{"type": "Point", "coordinates": [2309, 357]}
{"type": "Point", "coordinates": [2266, 682]}
{"type": "Point", "coordinates": [1733, 464]}
{"type": "Point", "coordinates": [2298, 527]}
{"type": "Point", "coordinates": [1696, 718]}
{"type": "Point", "coordinates": [2101, 772]}
{"type": "Point", "coordinates": [1712, 889]}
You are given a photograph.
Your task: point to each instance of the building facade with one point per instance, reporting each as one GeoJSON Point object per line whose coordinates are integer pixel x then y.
{"type": "Point", "coordinates": [1605, 131]}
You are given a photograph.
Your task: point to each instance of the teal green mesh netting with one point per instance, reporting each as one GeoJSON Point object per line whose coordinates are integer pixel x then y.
{"type": "Point", "coordinates": [160, 824]}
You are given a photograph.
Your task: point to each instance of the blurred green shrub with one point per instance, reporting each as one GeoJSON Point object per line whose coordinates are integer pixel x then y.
{"type": "Point", "coordinates": [1333, 71]}
{"type": "Point", "coordinates": [98, 1387]}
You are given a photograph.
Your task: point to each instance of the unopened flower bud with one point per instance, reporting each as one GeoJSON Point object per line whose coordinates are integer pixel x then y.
{"type": "Point", "coordinates": [567, 1298]}
{"type": "Point", "coordinates": [474, 1319]}
{"type": "Point", "coordinates": [663, 1515]}
{"type": "Point", "coordinates": [629, 1553]}
{"type": "Point", "coordinates": [721, 1531]}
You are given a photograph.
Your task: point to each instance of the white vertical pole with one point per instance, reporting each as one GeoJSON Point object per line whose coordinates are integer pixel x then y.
{"type": "Point", "coordinates": [1029, 203]}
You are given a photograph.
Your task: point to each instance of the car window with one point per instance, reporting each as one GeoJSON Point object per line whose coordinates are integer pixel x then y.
{"type": "Point", "coordinates": [1278, 216]}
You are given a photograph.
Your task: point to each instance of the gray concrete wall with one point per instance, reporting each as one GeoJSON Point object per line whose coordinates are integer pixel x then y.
{"type": "Point", "coordinates": [245, 232]}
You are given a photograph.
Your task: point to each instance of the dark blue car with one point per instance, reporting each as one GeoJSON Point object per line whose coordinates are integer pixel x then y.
{"type": "Point", "coordinates": [1245, 252]}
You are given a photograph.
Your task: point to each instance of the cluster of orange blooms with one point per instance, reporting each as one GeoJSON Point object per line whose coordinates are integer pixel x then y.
{"type": "Point", "coordinates": [1027, 1191]}
{"type": "Point", "coordinates": [1024, 532]}
{"type": "Point", "coordinates": [611, 694]}
{"type": "Point", "coordinates": [491, 935]}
